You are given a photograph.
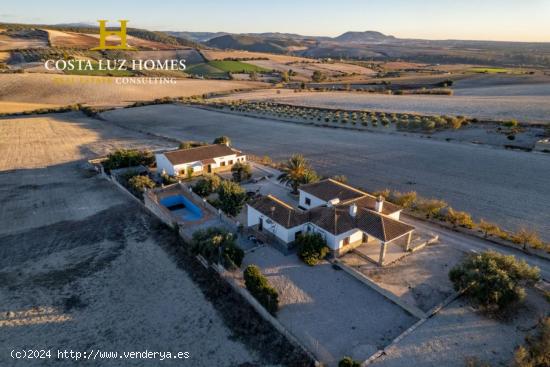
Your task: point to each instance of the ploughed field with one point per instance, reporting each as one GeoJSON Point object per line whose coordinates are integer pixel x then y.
{"type": "Point", "coordinates": [524, 102]}
{"type": "Point", "coordinates": [84, 267]}
{"type": "Point", "coordinates": [508, 187]}
{"type": "Point", "coordinates": [99, 91]}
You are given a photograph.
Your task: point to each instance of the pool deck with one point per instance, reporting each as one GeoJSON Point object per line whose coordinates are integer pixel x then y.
{"type": "Point", "coordinates": [181, 189]}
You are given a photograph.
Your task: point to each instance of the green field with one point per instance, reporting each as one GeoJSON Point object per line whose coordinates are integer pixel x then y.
{"type": "Point", "coordinates": [236, 66]}
{"type": "Point", "coordinates": [206, 70]}
{"type": "Point", "coordinates": [96, 72]}
{"type": "Point", "coordinates": [220, 68]}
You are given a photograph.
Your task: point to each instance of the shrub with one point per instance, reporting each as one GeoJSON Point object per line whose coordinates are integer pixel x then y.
{"type": "Point", "coordinates": [123, 158]}
{"type": "Point", "coordinates": [537, 351]}
{"type": "Point", "coordinates": [312, 248]}
{"type": "Point", "coordinates": [318, 76]}
{"type": "Point", "coordinates": [167, 179]}
{"type": "Point", "coordinates": [241, 171]}
{"type": "Point", "coordinates": [510, 124]}
{"type": "Point", "coordinates": [231, 197]}
{"type": "Point", "coordinates": [430, 207]}
{"type": "Point", "coordinates": [207, 185]}
{"type": "Point", "coordinates": [340, 178]}
{"type": "Point", "coordinates": [222, 140]}
{"type": "Point", "coordinates": [525, 236]}
{"type": "Point", "coordinates": [488, 228]}
{"type": "Point", "coordinates": [138, 184]}
{"type": "Point", "coordinates": [348, 362]}
{"type": "Point", "coordinates": [258, 286]}
{"type": "Point", "coordinates": [217, 245]}
{"type": "Point", "coordinates": [406, 200]}
{"type": "Point", "coordinates": [191, 144]}
{"type": "Point", "coordinates": [459, 219]}
{"type": "Point", "coordinates": [492, 280]}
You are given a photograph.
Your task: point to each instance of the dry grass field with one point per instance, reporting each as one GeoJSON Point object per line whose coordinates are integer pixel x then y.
{"type": "Point", "coordinates": [11, 107]}
{"type": "Point", "coordinates": [12, 43]}
{"type": "Point", "coordinates": [99, 91]}
{"type": "Point", "coordinates": [45, 140]}
{"type": "Point", "coordinates": [87, 41]}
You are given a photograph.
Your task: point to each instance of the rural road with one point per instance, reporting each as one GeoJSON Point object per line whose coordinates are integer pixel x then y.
{"type": "Point", "coordinates": [472, 244]}
{"type": "Point", "coordinates": [506, 187]}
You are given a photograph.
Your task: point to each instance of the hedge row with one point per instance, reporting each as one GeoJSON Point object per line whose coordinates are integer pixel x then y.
{"type": "Point", "coordinates": [258, 286]}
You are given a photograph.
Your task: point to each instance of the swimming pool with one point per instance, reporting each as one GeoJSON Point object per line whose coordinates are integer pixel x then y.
{"type": "Point", "coordinates": [182, 207]}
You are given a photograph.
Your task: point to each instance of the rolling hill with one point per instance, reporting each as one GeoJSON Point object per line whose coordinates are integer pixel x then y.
{"type": "Point", "coordinates": [253, 43]}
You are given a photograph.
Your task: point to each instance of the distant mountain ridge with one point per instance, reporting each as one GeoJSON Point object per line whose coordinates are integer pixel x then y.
{"type": "Point", "coordinates": [364, 37]}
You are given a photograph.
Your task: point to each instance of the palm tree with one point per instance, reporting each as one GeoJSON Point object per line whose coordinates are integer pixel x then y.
{"type": "Point", "coordinates": [296, 171]}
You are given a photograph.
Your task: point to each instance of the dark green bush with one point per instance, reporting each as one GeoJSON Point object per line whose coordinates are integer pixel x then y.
{"type": "Point", "coordinates": [217, 245]}
{"type": "Point", "coordinates": [312, 248]}
{"type": "Point", "coordinates": [241, 171]}
{"type": "Point", "coordinates": [138, 184]}
{"type": "Point", "coordinates": [231, 197]}
{"type": "Point", "coordinates": [258, 286]}
{"type": "Point", "coordinates": [123, 158]}
{"type": "Point", "coordinates": [348, 362]}
{"type": "Point", "coordinates": [492, 280]}
{"type": "Point", "coordinates": [207, 185]}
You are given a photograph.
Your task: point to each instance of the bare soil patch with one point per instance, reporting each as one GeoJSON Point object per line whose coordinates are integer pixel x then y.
{"type": "Point", "coordinates": [460, 332]}
{"type": "Point", "coordinates": [420, 279]}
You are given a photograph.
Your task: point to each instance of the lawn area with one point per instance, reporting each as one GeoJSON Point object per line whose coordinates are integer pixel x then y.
{"type": "Point", "coordinates": [97, 72]}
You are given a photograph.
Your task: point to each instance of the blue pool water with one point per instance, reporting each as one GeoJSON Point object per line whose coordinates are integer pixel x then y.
{"type": "Point", "coordinates": [182, 207]}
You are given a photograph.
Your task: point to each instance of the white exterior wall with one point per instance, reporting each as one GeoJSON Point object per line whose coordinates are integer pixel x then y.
{"type": "Point", "coordinates": [395, 215]}
{"type": "Point", "coordinates": [164, 164]}
{"type": "Point", "coordinates": [284, 234]}
{"type": "Point", "coordinates": [315, 201]}
{"type": "Point", "coordinates": [355, 235]}
{"type": "Point", "coordinates": [329, 237]}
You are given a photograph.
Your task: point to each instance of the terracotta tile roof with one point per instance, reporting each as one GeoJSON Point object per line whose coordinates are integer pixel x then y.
{"type": "Point", "coordinates": [279, 211]}
{"type": "Point", "coordinates": [330, 189]}
{"type": "Point", "coordinates": [369, 202]}
{"type": "Point", "coordinates": [337, 220]}
{"type": "Point", "coordinates": [199, 153]}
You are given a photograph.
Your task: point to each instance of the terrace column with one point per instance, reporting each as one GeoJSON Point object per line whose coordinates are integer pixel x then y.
{"type": "Point", "coordinates": [383, 247]}
{"type": "Point", "coordinates": [408, 246]}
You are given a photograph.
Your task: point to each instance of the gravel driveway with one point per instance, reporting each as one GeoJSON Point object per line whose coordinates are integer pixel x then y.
{"type": "Point", "coordinates": [330, 312]}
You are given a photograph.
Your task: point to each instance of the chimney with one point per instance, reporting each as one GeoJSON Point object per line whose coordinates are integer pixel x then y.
{"type": "Point", "coordinates": [379, 204]}
{"type": "Point", "coordinates": [353, 210]}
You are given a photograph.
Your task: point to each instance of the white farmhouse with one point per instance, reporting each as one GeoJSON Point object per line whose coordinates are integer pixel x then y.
{"type": "Point", "coordinates": [199, 160]}
{"type": "Point", "coordinates": [346, 218]}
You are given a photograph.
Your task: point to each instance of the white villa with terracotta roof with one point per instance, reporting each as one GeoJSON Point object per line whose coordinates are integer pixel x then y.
{"type": "Point", "coordinates": [199, 160]}
{"type": "Point", "coordinates": [345, 216]}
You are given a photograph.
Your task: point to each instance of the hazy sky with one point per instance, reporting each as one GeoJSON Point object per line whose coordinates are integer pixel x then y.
{"type": "Point", "coordinates": [515, 20]}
